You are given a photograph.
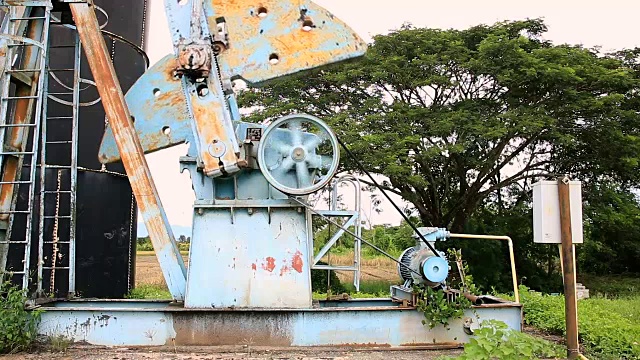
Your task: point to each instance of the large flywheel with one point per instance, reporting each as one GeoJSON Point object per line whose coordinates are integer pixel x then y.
{"type": "Point", "coordinates": [298, 154]}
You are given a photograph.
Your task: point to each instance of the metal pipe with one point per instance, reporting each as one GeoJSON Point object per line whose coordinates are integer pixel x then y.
{"type": "Point", "coordinates": [74, 165]}
{"type": "Point", "coordinates": [476, 300]}
{"type": "Point", "coordinates": [43, 161]}
{"type": "Point", "coordinates": [570, 298]}
{"type": "Point", "coordinates": [358, 226]}
{"type": "Point", "coordinates": [131, 152]}
{"type": "Point", "coordinates": [514, 278]}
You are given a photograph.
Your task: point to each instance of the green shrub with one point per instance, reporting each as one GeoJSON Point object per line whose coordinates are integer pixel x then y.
{"type": "Point", "coordinates": [144, 246]}
{"type": "Point", "coordinates": [146, 291]}
{"type": "Point", "coordinates": [184, 246]}
{"type": "Point", "coordinates": [437, 309]}
{"type": "Point", "coordinates": [494, 340]}
{"type": "Point", "coordinates": [18, 326]}
{"type": "Point", "coordinates": [608, 328]}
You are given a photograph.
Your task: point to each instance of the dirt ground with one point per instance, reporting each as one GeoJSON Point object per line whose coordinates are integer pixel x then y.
{"type": "Point", "coordinates": [148, 270]}
{"type": "Point", "coordinates": [85, 352]}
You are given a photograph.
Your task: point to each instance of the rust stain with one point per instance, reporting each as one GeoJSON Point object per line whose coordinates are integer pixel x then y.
{"type": "Point", "coordinates": [23, 111]}
{"type": "Point", "coordinates": [270, 265]}
{"type": "Point", "coordinates": [296, 261]}
{"type": "Point", "coordinates": [211, 328]}
{"type": "Point", "coordinates": [208, 116]}
{"type": "Point", "coordinates": [254, 267]}
{"type": "Point", "coordinates": [7, 190]}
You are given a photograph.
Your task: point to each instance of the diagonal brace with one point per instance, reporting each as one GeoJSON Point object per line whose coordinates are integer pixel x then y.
{"type": "Point", "coordinates": [131, 152]}
{"type": "Point", "coordinates": [353, 216]}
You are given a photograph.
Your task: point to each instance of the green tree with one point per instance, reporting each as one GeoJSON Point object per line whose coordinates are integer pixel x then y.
{"type": "Point", "coordinates": [452, 117]}
{"type": "Point", "coordinates": [612, 229]}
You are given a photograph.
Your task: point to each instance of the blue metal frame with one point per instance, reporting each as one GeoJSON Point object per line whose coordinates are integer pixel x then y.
{"type": "Point", "coordinates": [367, 322]}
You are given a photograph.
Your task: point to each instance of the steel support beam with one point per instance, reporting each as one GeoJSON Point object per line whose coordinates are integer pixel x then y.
{"type": "Point", "coordinates": [131, 152]}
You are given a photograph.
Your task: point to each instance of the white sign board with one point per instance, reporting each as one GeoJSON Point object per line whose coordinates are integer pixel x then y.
{"type": "Point", "coordinates": [546, 212]}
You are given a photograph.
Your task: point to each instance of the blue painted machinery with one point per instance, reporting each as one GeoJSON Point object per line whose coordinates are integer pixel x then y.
{"type": "Point", "coordinates": [251, 255]}
{"type": "Point", "coordinates": [251, 242]}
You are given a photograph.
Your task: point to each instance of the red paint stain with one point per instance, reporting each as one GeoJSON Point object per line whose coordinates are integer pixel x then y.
{"type": "Point", "coordinates": [253, 267]}
{"type": "Point", "coordinates": [296, 261]}
{"type": "Point", "coordinates": [270, 265]}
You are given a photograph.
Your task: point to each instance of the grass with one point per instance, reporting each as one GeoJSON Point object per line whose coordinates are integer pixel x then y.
{"type": "Point", "coordinates": [368, 290]}
{"type": "Point", "coordinates": [608, 328]}
{"type": "Point", "coordinates": [150, 291]}
{"type": "Point", "coordinates": [59, 343]}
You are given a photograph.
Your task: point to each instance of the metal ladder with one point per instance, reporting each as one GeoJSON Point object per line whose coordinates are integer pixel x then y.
{"type": "Point", "coordinates": [20, 111]}
{"type": "Point", "coordinates": [64, 191]}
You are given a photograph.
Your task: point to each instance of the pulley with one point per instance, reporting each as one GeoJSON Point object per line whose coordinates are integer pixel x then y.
{"type": "Point", "coordinates": [298, 154]}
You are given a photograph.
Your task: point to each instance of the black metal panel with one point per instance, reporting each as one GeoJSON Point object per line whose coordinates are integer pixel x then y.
{"type": "Point", "coordinates": [106, 226]}
{"type": "Point", "coordinates": [105, 223]}
{"type": "Point", "coordinates": [125, 19]}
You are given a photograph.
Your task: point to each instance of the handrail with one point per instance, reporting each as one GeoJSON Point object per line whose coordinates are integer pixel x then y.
{"type": "Point", "coordinates": [514, 278]}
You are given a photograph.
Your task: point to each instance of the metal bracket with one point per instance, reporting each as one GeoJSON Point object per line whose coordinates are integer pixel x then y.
{"type": "Point", "coordinates": [353, 217]}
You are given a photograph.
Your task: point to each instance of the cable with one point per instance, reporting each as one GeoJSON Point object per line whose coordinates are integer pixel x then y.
{"type": "Point", "coordinates": [404, 216]}
{"type": "Point", "coordinates": [135, 47]}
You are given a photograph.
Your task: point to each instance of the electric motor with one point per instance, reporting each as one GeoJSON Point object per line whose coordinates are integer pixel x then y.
{"type": "Point", "coordinates": [427, 268]}
{"type": "Point", "coordinates": [405, 258]}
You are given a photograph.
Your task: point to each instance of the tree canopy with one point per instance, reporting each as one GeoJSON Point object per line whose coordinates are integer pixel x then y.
{"type": "Point", "coordinates": [450, 117]}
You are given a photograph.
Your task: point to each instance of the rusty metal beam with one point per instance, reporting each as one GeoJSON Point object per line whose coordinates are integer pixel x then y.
{"type": "Point", "coordinates": [131, 152]}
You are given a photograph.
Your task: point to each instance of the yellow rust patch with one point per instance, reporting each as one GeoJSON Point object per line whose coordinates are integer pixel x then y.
{"type": "Point", "coordinates": [209, 123]}
{"type": "Point", "coordinates": [282, 29]}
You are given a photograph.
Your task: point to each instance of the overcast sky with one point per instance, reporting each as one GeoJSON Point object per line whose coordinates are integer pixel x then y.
{"type": "Point", "coordinates": [610, 24]}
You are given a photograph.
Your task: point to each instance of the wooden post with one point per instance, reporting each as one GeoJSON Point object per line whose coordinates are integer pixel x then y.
{"type": "Point", "coordinates": [568, 273]}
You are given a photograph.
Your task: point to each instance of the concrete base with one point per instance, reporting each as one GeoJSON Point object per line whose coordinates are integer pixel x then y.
{"type": "Point", "coordinates": [365, 322]}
